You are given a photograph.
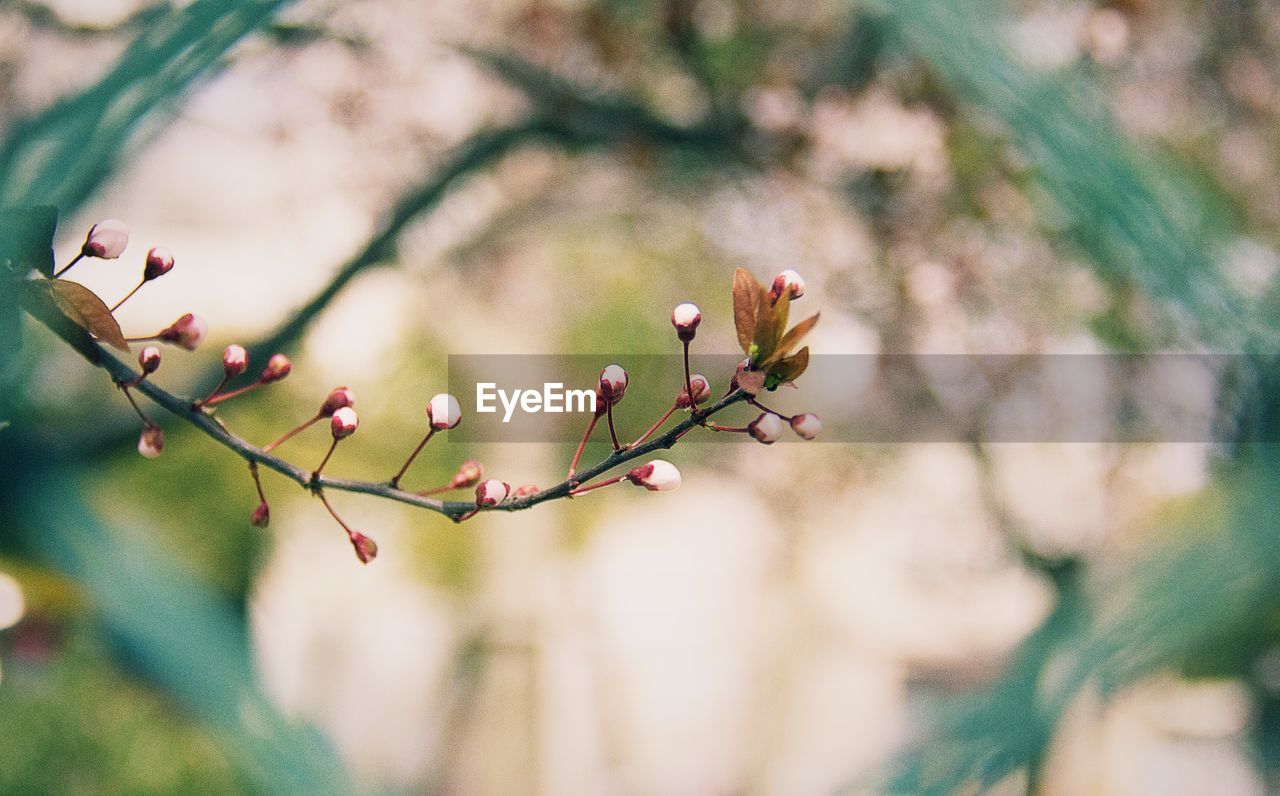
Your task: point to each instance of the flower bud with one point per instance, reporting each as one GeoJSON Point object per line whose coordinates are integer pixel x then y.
{"type": "Point", "coordinates": [366, 549]}
{"type": "Point", "coordinates": [159, 263]}
{"type": "Point", "coordinates": [786, 282]}
{"type": "Point", "coordinates": [613, 383]}
{"type": "Point", "coordinates": [344, 423]}
{"type": "Point", "coordinates": [338, 398]}
{"type": "Point", "coordinates": [701, 391]}
{"type": "Point", "coordinates": [235, 360]}
{"type": "Point", "coordinates": [807, 425]}
{"type": "Point", "coordinates": [525, 490]}
{"type": "Point", "coordinates": [188, 332]}
{"type": "Point", "coordinates": [443, 412]}
{"type": "Point", "coordinates": [261, 516]}
{"type": "Point", "coordinates": [151, 443]}
{"type": "Point", "coordinates": [658, 475]}
{"type": "Point", "coordinates": [469, 474]}
{"type": "Point", "coordinates": [686, 318]}
{"type": "Point", "coordinates": [149, 359]}
{"type": "Point", "coordinates": [767, 428]}
{"type": "Point", "coordinates": [492, 492]}
{"type": "Point", "coordinates": [106, 239]}
{"type": "Point", "coordinates": [277, 368]}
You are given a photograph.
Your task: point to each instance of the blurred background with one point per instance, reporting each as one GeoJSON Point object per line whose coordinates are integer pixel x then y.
{"type": "Point", "coordinates": [374, 185]}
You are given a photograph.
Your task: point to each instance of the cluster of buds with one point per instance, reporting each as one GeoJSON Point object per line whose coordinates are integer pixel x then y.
{"type": "Point", "coordinates": [760, 315]}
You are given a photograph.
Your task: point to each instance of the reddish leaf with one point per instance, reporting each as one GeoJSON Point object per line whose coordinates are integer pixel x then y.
{"type": "Point", "coordinates": [751, 381]}
{"type": "Point", "coordinates": [797, 333]}
{"type": "Point", "coordinates": [770, 322]}
{"type": "Point", "coordinates": [745, 292]}
{"type": "Point", "coordinates": [87, 311]}
{"type": "Point", "coordinates": [792, 367]}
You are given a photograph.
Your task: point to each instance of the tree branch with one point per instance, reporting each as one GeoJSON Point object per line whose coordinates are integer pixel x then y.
{"type": "Point", "coordinates": [213, 428]}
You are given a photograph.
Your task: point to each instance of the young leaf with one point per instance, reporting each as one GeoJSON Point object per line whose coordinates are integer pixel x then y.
{"type": "Point", "coordinates": [751, 381]}
{"type": "Point", "coordinates": [37, 299]}
{"type": "Point", "coordinates": [745, 296]}
{"type": "Point", "coordinates": [87, 311]}
{"type": "Point", "coordinates": [789, 369]}
{"type": "Point", "coordinates": [770, 322]}
{"type": "Point", "coordinates": [26, 239]}
{"type": "Point", "coordinates": [797, 333]}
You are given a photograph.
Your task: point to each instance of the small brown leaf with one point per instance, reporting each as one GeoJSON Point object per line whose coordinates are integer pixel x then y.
{"type": "Point", "coordinates": [751, 381]}
{"type": "Point", "coordinates": [87, 311]}
{"type": "Point", "coordinates": [771, 320]}
{"type": "Point", "coordinates": [792, 367]}
{"type": "Point", "coordinates": [745, 290]}
{"type": "Point", "coordinates": [797, 333]}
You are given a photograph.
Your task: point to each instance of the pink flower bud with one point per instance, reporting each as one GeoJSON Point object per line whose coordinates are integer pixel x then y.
{"type": "Point", "coordinates": [686, 318]}
{"type": "Point", "coordinates": [658, 475]}
{"type": "Point", "coordinates": [149, 359]}
{"type": "Point", "coordinates": [443, 412]}
{"type": "Point", "coordinates": [366, 549]}
{"type": "Point", "coordinates": [613, 383]}
{"type": "Point", "coordinates": [151, 443]}
{"type": "Point", "coordinates": [525, 490]}
{"type": "Point", "coordinates": [261, 516]}
{"type": "Point", "coordinates": [106, 239]}
{"type": "Point", "coordinates": [188, 332]}
{"type": "Point", "coordinates": [344, 423]}
{"type": "Point", "coordinates": [277, 368]}
{"type": "Point", "coordinates": [338, 398]}
{"type": "Point", "coordinates": [235, 360]}
{"type": "Point", "coordinates": [469, 474]}
{"type": "Point", "coordinates": [492, 492]}
{"type": "Point", "coordinates": [701, 391]}
{"type": "Point", "coordinates": [807, 425]}
{"type": "Point", "coordinates": [787, 282]}
{"type": "Point", "coordinates": [159, 263]}
{"type": "Point", "coordinates": [767, 428]}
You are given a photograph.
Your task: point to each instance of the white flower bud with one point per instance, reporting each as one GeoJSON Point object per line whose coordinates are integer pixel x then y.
{"type": "Point", "coordinates": [235, 360]}
{"type": "Point", "coordinates": [787, 282]}
{"type": "Point", "coordinates": [338, 398]}
{"type": "Point", "coordinates": [151, 443]}
{"type": "Point", "coordinates": [344, 423]}
{"type": "Point", "coordinates": [701, 391]}
{"type": "Point", "coordinates": [767, 428]}
{"type": "Point", "coordinates": [658, 475]}
{"type": "Point", "coordinates": [159, 263]}
{"type": "Point", "coordinates": [492, 492]}
{"type": "Point", "coordinates": [106, 239]}
{"type": "Point", "coordinates": [613, 383]}
{"type": "Point", "coordinates": [443, 412]}
{"type": "Point", "coordinates": [807, 425]}
{"type": "Point", "coordinates": [277, 368]}
{"type": "Point", "coordinates": [188, 332]}
{"type": "Point", "coordinates": [686, 318]}
{"type": "Point", "coordinates": [149, 359]}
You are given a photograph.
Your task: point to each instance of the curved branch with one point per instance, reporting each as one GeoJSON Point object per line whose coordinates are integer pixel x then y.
{"type": "Point", "coordinates": [213, 428]}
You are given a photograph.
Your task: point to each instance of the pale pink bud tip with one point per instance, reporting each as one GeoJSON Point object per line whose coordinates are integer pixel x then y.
{"type": "Point", "coordinates": [767, 428]}
{"type": "Point", "coordinates": [151, 443]}
{"type": "Point", "coordinates": [149, 359]}
{"type": "Point", "coordinates": [787, 282]}
{"type": "Point", "coordinates": [235, 360]}
{"type": "Point", "coordinates": [807, 425]}
{"type": "Point", "coordinates": [106, 239]}
{"type": "Point", "coordinates": [525, 490]}
{"type": "Point", "coordinates": [344, 423]}
{"type": "Point", "coordinates": [188, 332]}
{"type": "Point", "coordinates": [658, 475]}
{"type": "Point", "coordinates": [701, 391]}
{"type": "Point", "coordinates": [492, 492]}
{"type": "Point", "coordinates": [366, 549]}
{"type": "Point", "coordinates": [277, 368]}
{"type": "Point", "coordinates": [686, 318]}
{"type": "Point", "coordinates": [613, 383]}
{"type": "Point", "coordinates": [159, 263]}
{"type": "Point", "coordinates": [469, 474]}
{"type": "Point", "coordinates": [261, 516]}
{"type": "Point", "coordinates": [443, 412]}
{"type": "Point", "coordinates": [338, 398]}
